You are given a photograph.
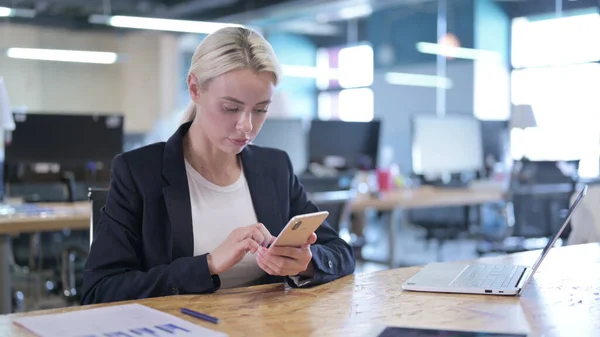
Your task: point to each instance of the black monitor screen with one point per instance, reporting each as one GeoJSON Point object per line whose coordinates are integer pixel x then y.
{"type": "Point", "coordinates": [64, 139]}
{"type": "Point", "coordinates": [495, 136]}
{"type": "Point", "coordinates": [356, 142]}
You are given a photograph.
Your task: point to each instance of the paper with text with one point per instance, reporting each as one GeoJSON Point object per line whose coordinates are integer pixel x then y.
{"type": "Point", "coordinates": [129, 320]}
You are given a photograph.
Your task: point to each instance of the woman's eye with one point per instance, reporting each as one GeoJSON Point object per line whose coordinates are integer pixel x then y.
{"type": "Point", "coordinates": [231, 109]}
{"type": "Point", "coordinates": [260, 110]}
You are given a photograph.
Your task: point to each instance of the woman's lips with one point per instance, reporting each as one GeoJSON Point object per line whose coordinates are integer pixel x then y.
{"type": "Point", "coordinates": [239, 142]}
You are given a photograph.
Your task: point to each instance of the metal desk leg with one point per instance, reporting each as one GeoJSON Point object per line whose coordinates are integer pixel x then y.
{"type": "Point", "coordinates": [5, 277]}
{"type": "Point", "coordinates": [393, 234]}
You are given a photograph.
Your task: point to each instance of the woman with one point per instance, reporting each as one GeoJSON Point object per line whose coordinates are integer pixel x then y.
{"type": "Point", "coordinates": [196, 213]}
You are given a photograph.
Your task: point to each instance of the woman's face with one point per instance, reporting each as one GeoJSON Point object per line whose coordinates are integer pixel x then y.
{"type": "Point", "coordinates": [233, 107]}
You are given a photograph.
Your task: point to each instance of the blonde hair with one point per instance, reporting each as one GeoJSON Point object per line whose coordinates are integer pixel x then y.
{"type": "Point", "coordinates": [228, 49]}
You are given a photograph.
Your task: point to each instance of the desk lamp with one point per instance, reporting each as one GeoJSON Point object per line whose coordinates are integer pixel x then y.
{"type": "Point", "coordinates": [522, 117]}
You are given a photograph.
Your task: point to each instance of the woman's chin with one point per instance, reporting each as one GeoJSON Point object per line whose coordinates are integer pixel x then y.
{"type": "Point", "coordinates": [233, 149]}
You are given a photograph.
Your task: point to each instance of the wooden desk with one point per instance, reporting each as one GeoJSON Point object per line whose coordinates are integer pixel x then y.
{"type": "Point", "coordinates": [423, 197]}
{"type": "Point", "coordinates": [62, 216]}
{"type": "Point", "coordinates": [563, 300]}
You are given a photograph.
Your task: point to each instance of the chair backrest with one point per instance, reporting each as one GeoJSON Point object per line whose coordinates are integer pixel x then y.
{"type": "Point", "coordinates": [97, 197]}
{"type": "Point", "coordinates": [336, 203]}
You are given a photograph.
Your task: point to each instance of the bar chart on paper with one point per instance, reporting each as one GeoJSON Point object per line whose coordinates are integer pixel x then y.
{"type": "Point", "coordinates": [122, 321]}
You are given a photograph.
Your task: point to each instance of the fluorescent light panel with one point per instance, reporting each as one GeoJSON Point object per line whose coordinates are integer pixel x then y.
{"type": "Point", "coordinates": [183, 26]}
{"type": "Point", "coordinates": [6, 12]}
{"type": "Point", "coordinates": [417, 80]}
{"type": "Point", "coordinates": [359, 11]}
{"type": "Point", "coordinates": [62, 55]}
{"type": "Point", "coordinates": [16, 12]}
{"type": "Point", "coordinates": [308, 71]}
{"type": "Point", "coordinates": [456, 52]}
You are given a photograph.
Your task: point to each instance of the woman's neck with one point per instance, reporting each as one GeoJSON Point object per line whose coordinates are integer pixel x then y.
{"type": "Point", "coordinates": [213, 164]}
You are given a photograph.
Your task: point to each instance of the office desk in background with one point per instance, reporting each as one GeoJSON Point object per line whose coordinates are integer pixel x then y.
{"type": "Point", "coordinates": [425, 197]}
{"type": "Point", "coordinates": [34, 219]}
{"type": "Point", "coordinates": [563, 300]}
{"type": "Point", "coordinates": [45, 217]}
{"type": "Point", "coordinates": [419, 198]}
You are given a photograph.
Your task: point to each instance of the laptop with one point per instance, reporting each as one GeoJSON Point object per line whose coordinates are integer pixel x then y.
{"type": "Point", "coordinates": [478, 278]}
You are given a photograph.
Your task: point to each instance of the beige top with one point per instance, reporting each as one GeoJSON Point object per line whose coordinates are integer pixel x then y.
{"type": "Point", "coordinates": [216, 212]}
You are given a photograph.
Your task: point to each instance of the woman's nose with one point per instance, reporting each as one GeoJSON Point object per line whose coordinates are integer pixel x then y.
{"type": "Point", "coordinates": [245, 122]}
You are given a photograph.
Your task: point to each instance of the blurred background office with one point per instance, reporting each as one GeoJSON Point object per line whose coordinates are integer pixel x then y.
{"type": "Point", "coordinates": [430, 129]}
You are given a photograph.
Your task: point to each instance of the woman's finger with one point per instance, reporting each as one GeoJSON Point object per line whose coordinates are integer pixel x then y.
{"type": "Point", "coordinates": [267, 237]}
{"type": "Point", "coordinates": [264, 266]}
{"type": "Point", "coordinates": [249, 245]}
{"type": "Point", "coordinates": [279, 265]}
{"type": "Point", "coordinates": [312, 239]}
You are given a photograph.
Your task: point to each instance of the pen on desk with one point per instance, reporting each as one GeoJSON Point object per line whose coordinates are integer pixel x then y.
{"type": "Point", "coordinates": [200, 315]}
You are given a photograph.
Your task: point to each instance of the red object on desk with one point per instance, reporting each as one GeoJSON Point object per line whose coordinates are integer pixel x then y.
{"type": "Point", "coordinates": [384, 180]}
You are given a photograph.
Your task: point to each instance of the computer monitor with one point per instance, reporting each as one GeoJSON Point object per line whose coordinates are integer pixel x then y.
{"type": "Point", "coordinates": [47, 152]}
{"type": "Point", "coordinates": [495, 136]}
{"type": "Point", "coordinates": [448, 145]}
{"type": "Point", "coordinates": [357, 143]}
{"type": "Point", "coordinates": [287, 134]}
{"type": "Point", "coordinates": [64, 138]}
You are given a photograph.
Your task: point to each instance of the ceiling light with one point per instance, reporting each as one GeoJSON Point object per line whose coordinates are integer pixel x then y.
{"type": "Point", "coordinates": [299, 71]}
{"type": "Point", "coordinates": [62, 55]}
{"type": "Point", "coordinates": [6, 12]}
{"type": "Point", "coordinates": [16, 12]}
{"type": "Point", "coordinates": [418, 80]}
{"type": "Point", "coordinates": [199, 27]}
{"type": "Point", "coordinates": [307, 71]}
{"type": "Point", "coordinates": [355, 12]}
{"type": "Point", "coordinates": [457, 52]}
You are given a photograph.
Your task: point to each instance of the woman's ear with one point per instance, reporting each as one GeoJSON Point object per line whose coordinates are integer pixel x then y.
{"type": "Point", "coordinates": [193, 87]}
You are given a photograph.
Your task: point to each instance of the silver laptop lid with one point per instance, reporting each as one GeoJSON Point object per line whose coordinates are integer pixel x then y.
{"type": "Point", "coordinates": [555, 237]}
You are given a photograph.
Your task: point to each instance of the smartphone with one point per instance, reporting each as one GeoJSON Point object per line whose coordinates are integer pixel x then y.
{"type": "Point", "coordinates": [299, 228]}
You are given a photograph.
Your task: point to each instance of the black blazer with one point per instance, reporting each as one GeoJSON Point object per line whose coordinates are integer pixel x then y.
{"type": "Point", "coordinates": [143, 246]}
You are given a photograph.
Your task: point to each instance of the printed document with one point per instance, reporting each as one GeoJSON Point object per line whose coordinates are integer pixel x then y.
{"type": "Point", "coordinates": [129, 320]}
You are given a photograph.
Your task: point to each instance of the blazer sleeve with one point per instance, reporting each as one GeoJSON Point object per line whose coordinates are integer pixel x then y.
{"type": "Point", "coordinates": [114, 268]}
{"type": "Point", "coordinates": [332, 258]}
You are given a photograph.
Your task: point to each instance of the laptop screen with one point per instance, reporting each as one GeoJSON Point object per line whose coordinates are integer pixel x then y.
{"type": "Point", "coordinates": [552, 241]}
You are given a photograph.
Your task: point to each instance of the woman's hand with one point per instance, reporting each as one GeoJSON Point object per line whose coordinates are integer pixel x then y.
{"type": "Point", "coordinates": [233, 249]}
{"type": "Point", "coordinates": [287, 261]}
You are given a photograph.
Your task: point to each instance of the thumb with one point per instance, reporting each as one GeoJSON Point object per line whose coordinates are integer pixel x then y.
{"type": "Point", "coordinates": [311, 239]}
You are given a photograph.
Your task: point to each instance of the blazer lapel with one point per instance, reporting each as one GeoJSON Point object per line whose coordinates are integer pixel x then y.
{"type": "Point", "coordinates": [177, 196]}
{"type": "Point", "coordinates": [263, 193]}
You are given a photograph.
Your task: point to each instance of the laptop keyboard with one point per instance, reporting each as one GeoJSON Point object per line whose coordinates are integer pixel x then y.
{"type": "Point", "coordinates": [487, 276]}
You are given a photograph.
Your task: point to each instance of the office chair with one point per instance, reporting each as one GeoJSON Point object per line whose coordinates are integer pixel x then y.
{"type": "Point", "coordinates": [441, 224]}
{"type": "Point", "coordinates": [97, 197]}
{"type": "Point", "coordinates": [336, 203]}
{"type": "Point", "coordinates": [539, 195]}
{"type": "Point", "coordinates": [70, 283]}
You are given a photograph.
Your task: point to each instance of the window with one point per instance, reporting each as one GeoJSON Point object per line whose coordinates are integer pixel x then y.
{"type": "Point", "coordinates": [344, 77]}
{"type": "Point", "coordinates": [350, 105]}
{"type": "Point", "coordinates": [355, 68]}
{"type": "Point", "coordinates": [556, 41]}
{"type": "Point", "coordinates": [559, 77]}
